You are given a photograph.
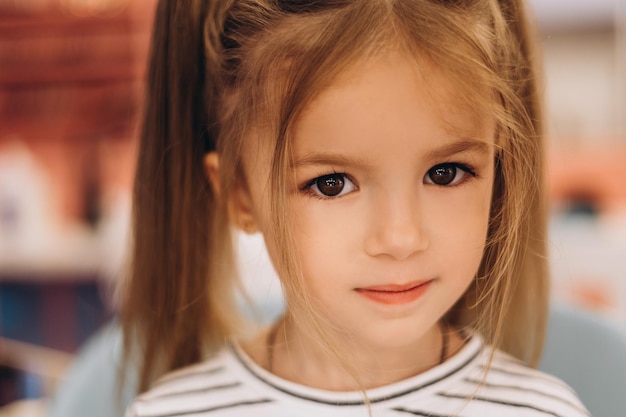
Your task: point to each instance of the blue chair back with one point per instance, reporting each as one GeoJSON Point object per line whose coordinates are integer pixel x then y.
{"type": "Point", "coordinates": [589, 353]}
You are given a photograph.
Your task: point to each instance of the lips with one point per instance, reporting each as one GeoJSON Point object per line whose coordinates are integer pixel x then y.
{"type": "Point", "coordinates": [395, 293]}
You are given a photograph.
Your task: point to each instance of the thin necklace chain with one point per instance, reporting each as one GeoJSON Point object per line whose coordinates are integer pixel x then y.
{"type": "Point", "coordinates": [271, 342]}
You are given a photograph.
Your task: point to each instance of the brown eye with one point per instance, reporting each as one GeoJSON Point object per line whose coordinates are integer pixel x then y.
{"type": "Point", "coordinates": [442, 175]}
{"type": "Point", "coordinates": [447, 174]}
{"type": "Point", "coordinates": [332, 185]}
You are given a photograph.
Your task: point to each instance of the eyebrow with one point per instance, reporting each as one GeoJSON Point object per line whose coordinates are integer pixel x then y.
{"type": "Point", "coordinates": [462, 146]}
{"type": "Point", "coordinates": [328, 159]}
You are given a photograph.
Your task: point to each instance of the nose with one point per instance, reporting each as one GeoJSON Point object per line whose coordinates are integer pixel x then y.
{"type": "Point", "coordinates": [396, 228]}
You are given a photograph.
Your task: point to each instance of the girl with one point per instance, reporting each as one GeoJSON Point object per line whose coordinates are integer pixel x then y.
{"type": "Point", "coordinates": [390, 153]}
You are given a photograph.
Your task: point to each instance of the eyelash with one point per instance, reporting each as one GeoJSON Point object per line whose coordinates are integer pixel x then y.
{"type": "Point", "coordinates": [306, 187]}
{"type": "Point", "coordinates": [471, 173]}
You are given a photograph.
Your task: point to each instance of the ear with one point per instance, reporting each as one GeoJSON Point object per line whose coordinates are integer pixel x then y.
{"type": "Point", "coordinates": [240, 207]}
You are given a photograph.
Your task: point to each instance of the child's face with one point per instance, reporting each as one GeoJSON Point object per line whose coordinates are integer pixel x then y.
{"type": "Point", "coordinates": [391, 202]}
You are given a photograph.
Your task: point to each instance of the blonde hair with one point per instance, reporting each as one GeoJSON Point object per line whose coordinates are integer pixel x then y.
{"type": "Point", "coordinates": [221, 69]}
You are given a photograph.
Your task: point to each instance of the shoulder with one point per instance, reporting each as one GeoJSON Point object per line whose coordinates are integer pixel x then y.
{"type": "Point", "coordinates": [480, 382]}
{"type": "Point", "coordinates": [198, 389]}
{"type": "Point", "coordinates": [503, 385]}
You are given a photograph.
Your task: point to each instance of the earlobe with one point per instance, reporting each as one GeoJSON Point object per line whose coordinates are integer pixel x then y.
{"type": "Point", "coordinates": [240, 208]}
{"type": "Point", "coordinates": [212, 168]}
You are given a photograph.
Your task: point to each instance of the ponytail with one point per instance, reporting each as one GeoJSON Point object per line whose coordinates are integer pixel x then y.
{"type": "Point", "coordinates": [533, 296]}
{"type": "Point", "coordinates": [167, 300]}
{"type": "Point", "coordinates": [524, 310]}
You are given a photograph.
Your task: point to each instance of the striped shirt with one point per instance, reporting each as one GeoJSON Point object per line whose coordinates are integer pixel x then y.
{"type": "Point", "coordinates": [231, 385]}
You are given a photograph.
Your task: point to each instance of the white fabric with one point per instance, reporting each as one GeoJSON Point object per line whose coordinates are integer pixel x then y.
{"type": "Point", "coordinates": [232, 385]}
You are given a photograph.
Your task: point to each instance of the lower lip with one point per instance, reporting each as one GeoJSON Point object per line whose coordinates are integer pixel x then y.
{"type": "Point", "coordinates": [395, 297]}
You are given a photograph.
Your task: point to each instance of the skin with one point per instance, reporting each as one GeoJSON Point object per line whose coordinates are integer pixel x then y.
{"type": "Point", "coordinates": [387, 127]}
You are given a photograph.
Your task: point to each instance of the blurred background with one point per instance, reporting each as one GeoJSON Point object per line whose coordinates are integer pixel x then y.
{"type": "Point", "coordinates": [71, 79]}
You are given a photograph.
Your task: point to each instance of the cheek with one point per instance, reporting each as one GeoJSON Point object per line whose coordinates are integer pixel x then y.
{"type": "Point", "coordinates": [457, 227]}
{"type": "Point", "coordinates": [327, 237]}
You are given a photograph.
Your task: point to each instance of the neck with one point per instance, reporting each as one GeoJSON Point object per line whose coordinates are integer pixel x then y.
{"type": "Point", "coordinates": [293, 354]}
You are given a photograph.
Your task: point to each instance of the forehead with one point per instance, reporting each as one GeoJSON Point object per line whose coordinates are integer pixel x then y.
{"type": "Point", "coordinates": [392, 95]}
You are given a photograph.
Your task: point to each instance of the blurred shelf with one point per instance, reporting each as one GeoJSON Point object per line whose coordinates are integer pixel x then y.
{"type": "Point", "coordinates": [588, 173]}
{"type": "Point", "coordinates": [75, 255]}
{"type": "Point", "coordinates": [72, 69]}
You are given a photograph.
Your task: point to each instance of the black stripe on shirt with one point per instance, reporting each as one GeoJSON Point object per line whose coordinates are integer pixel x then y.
{"type": "Point", "coordinates": [535, 375]}
{"type": "Point", "coordinates": [361, 402]}
{"type": "Point", "coordinates": [524, 389]}
{"type": "Point", "coordinates": [420, 413]}
{"type": "Point", "coordinates": [211, 409]}
{"type": "Point", "coordinates": [193, 391]}
{"type": "Point", "coordinates": [501, 402]}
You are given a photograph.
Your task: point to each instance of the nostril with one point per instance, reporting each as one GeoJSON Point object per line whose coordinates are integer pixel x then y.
{"type": "Point", "coordinates": [399, 242]}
